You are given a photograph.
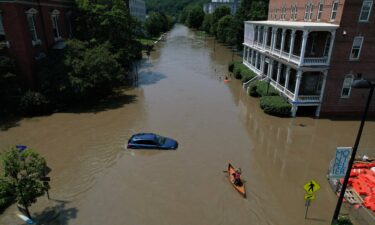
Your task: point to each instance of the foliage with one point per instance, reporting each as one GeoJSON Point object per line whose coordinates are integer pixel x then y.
{"type": "Point", "coordinates": [275, 105]}
{"type": "Point", "coordinates": [265, 89]}
{"type": "Point", "coordinates": [195, 17]}
{"type": "Point", "coordinates": [33, 103]}
{"type": "Point", "coordinates": [219, 12]}
{"type": "Point", "coordinates": [24, 171]}
{"type": "Point", "coordinates": [241, 71]}
{"type": "Point", "coordinates": [248, 10]}
{"type": "Point", "coordinates": [109, 21]}
{"type": "Point", "coordinates": [86, 72]}
{"type": "Point", "coordinates": [7, 195]}
{"type": "Point", "coordinates": [10, 90]}
{"type": "Point", "coordinates": [173, 7]}
{"type": "Point", "coordinates": [206, 24]}
{"type": "Point", "coordinates": [225, 29]}
{"type": "Point", "coordinates": [157, 23]}
{"type": "Point", "coordinates": [344, 220]}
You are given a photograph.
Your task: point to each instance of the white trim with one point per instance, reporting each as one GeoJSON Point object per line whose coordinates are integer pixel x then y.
{"type": "Point", "coordinates": [334, 11]}
{"type": "Point", "coordinates": [369, 11]}
{"type": "Point", "coordinates": [360, 48]}
{"type": "Point", "coordinates": [347, 85]}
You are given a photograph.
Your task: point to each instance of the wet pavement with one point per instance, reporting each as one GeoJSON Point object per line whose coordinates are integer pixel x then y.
{"type": "Point", "coordinates": [181, 94]}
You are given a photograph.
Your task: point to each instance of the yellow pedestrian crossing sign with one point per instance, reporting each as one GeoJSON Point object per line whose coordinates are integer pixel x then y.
{"type": "Point", "coordinates": [309, 197]}
{"type": "Point", "coordinates": [311, 187]}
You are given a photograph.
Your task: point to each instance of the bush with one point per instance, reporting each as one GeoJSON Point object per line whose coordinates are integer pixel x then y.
{"type": "Point", "coordinates": [34, 103]}
{"type": "Point", "coordinates": [7, 196]}
{"type": "Point", "coordinates": [247, 75]}
{"type": "Point", "coordinates": [231, 66]}
{"type": "Point", "coordinates": [265, 89]}
{"type": "Point", "coordinates": [275, 105]}
{"type": "Point", "coordinates": [241, 71]}
{"type": "Point", "coordinates": [344, 220]}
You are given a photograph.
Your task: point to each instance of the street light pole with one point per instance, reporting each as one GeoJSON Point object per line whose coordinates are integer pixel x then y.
{"type": "Point", "coordinates": [356, 84]}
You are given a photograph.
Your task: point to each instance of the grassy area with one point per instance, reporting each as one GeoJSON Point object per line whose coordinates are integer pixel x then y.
{"type": "Point", "coordinates": [201, 33]}
{"type": "Point", "coordinates": [147, 41]}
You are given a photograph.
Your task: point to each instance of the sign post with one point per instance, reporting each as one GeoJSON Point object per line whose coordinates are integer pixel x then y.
{"type": "Point", "coordinates": [310, 188]}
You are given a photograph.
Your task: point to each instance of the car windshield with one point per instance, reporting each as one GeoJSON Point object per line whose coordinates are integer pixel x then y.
{"type": "Point", "coordinates": [160, 140]}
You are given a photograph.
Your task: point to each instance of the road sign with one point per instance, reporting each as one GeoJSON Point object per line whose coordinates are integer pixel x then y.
{"type": "Point", "coordinates": [309, 197]}
{"type": "Point", "coordinates": [339, 164]}
{"type": "Point", "coordinates": [311, 187]}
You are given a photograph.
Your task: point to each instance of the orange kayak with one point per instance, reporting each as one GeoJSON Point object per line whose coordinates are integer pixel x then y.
{"type": "Point", "coordinates": [241, 189]}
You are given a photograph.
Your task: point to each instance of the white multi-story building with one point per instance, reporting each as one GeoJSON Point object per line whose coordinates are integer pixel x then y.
{"type": "Point", "coordinates": [232, 4]}
{"type": "Point", "coordinates": [137, 9]}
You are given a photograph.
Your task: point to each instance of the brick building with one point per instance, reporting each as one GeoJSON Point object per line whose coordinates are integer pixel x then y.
{"type": "Point", "coordinates": [311, 50]}
{"type": "Point", "coordinates": [29, 28]}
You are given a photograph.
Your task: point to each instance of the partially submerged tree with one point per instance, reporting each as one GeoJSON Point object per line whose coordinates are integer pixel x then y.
{"type": "Point", "coordinates": [24, 170]}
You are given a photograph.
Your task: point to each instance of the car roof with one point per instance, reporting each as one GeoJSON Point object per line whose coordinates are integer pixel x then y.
{"type": "Point", "coordinates": [144, 136]}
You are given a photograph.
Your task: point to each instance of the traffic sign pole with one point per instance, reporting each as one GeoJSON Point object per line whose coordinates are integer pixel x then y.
{"type": "Point", "coordinates": [307, 204]}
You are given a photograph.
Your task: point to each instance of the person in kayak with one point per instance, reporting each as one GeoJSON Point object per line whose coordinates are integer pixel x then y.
{"type": "Point", "coordinates": [237, 178]}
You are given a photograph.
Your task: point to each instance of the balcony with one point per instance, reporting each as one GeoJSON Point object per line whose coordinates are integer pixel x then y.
{"type": "Point", "coordinates": [315, 61]}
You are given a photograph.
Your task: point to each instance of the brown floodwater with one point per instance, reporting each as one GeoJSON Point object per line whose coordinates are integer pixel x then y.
{"type": "Point", "coordinates": [181, 94]}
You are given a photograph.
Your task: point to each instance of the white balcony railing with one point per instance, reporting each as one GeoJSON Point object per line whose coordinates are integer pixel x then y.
{"type": "Point", "coordinates": [309, 98]}
{"type": "Point", "coordinates": [315, 61]}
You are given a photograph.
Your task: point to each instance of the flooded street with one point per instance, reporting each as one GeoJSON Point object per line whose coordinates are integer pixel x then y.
{"type": "Point", "coordinates": [181, 94]}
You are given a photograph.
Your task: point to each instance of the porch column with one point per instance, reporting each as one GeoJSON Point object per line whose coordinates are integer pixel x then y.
{"type": "Point", "coordinates": [273, 41]}
{"type": "Point", "coordinates": [317, 112]}
{"type": "Point", "coordinates": [287, 78]}
{"type": "Point", "coordinates": [303, 47]}
{"type": "Point", "coordinates": [294, 110]}
{"type": "Point", "coordinates": [333, 33]}
{"type": "Point", "coordinates": [270, 68]}
{"type": "Point", "coordinates": [282, 41]}
{"type": "Point", "coordinates": [292, 38]}
{"type": "Point", "coordinates": [298, 83]}
{"type": "Point", "coordinates": [256, 60]}
{"type": "Point", "coordinates": [265, 32]}
{"type": "Point", "coordinates": [258, 36]}
{"type": "Point", "coordinates": [244, 52]}
{"type": "Point", "coordinates": [278, 72]}
{"type": "Point", "coordinates": [262, 61]}
{"type": "Point", "coordinates": [251, 59]}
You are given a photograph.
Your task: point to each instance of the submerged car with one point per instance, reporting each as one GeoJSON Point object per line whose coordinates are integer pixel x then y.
{"type": "Point", "coordinates": [151, 141]}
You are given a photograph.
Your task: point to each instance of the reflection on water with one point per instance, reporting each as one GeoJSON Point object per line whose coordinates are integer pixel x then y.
{"type": "Point", "coordinates": [181, 94]}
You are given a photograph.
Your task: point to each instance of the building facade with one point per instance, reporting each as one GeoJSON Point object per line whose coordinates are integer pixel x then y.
{"type": "Point", "coordinates": [29, 28]}
{"type": "Point", "coordinates": [312, 50]}
{"type": "Point", "coordinates": [137, 9]}
{"type": "Point", "coordinates": [232, 4]}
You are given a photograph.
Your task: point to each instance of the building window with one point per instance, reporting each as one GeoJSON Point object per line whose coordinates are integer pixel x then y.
{"type": "Point", "coordinates": [2, 32]}
{"type": "Point", "coordinates": [365, 11]}
{"type": "Point", "coordinates": [356, 48]}
{"type": "Point", "coordinates": [347, 86]}
{"type": "Point", "coordinates": [335, 5]}
{"type": "Point", "coordinates": [55, 24]}
{"type": "Point", "coordinates": [31, 20]}
{"type": "Point", "coordinates": [320, 10]}
{"type": "Point", "coordinates": [307, 11]}
{"type": "Point", "coordinates": [311, 11]}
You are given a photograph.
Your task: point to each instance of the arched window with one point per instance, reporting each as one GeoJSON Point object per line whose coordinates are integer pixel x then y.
{"type": "Point", "coordinates": [346, 86]}
{"type": "Point", "coordinates": [31, 20]}
{"type": "Point", "coordinates": [55, 24]}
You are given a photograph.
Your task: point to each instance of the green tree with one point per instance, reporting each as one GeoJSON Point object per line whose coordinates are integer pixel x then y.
{"type": "Point", "coordinates": [24, 171]}
{"type": "Point", "coordinates": [206, 24]}
{"type": "Point", "coordinates": [248, 10]}
{"type": "Point", "coordinates": [195, 17]}
{"type": "Point", "coordinates": [225, 30]}
{"type": "Point", "coordinates": [157, 23]}
{"type": "Point", "coordinates": [219, 12]}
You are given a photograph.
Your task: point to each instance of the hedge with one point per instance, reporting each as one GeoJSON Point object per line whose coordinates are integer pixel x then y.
{"type": "Point", "coordinates": [262, 88]}
{"type": "Point", "coordinates": [240, 71]}
{"type": "Point", "coordinates": [275, 105]}
{"type": "Point", "coordinates": [34, 103]}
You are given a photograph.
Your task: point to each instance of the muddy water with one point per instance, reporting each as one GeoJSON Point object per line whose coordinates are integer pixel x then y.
{"type": "Point", "coordinates": [181, 94]}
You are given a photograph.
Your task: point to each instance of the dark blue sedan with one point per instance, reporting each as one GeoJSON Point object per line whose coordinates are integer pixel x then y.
{"type": "Point", "coordinates": [151, 141]}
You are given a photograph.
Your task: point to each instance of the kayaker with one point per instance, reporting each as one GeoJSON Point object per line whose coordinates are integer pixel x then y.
{"type": "Point", "coordinates": [237, 178]}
